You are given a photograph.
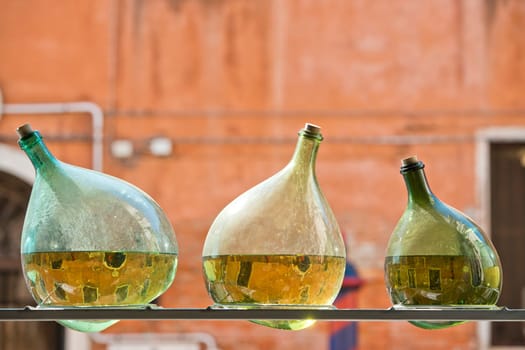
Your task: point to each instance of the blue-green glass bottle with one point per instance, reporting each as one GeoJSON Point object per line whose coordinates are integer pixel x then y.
{"type": "Point", "coordinates": [278, 245]}
{"type": "Point", "coordinates": [90, 239]}
{"type": "Point", "coordinates": [437, 257]}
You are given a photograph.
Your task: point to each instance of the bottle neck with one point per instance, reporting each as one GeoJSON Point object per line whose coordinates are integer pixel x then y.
{"type": "Point", "coordinates": [417, 186]}
{"type": "Point", "coordinates": [37, 151]}
{"type": "Point", "coordinates": [305, 152]}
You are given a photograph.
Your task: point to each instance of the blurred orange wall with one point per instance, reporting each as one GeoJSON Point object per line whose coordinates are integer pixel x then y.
{"type": "Point", "coordinates": [231, 82]}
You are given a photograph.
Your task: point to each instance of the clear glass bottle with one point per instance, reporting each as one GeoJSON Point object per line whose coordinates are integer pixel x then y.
{"type": "Point", "coordinates": [437, 256]}
{"type": "Point", "coordinates": [90, 239]}
{"type": "Point", "coordinates": [277, 245]}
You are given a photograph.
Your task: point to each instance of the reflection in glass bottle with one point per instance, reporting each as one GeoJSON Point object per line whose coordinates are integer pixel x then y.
{"type": "Point", "coordinates": [437, 256]}
{"type": "Point", "coordinates": [90, 239]}
{"type": "Point", "coordinates": [277, 245]}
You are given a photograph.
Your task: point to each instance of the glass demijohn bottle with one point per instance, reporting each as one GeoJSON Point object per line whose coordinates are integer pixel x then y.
{"type": "Point", "coordinates": [437, 256]}
{"type": "Point", "coordinates": [90, 239]}
{"type": "Point", "coordinates": [277, 245]}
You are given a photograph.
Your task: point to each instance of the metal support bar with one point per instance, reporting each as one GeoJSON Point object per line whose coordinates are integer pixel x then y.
{"type": "Point", "coordinates": [157, 313]}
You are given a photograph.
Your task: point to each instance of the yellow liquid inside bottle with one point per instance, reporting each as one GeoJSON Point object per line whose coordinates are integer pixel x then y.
{"type": "Point", "coordinates": [83, 278]}
{"type": "Point", "coordinates": [273, 281]}
{"type": "Point", "coordinates": [441, 280]}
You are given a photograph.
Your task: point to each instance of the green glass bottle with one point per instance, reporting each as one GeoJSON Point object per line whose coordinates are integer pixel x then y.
{"type": "Point", "coordinates": [90, 239]}
{"type": "Point", "coordinates": [437, 256]}
{"type": "Point", "coordinates": [277, 245]}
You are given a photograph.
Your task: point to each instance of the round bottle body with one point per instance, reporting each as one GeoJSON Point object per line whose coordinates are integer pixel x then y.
{"type": "Point", "coordinates": [439, 257]}
{"type": "Point", "coordinates": [278, 244]}
{"type": "Point", "coordinates": [92, 240]}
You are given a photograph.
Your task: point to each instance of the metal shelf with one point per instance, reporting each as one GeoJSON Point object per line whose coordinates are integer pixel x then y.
{"type": "Point", "coordinates": [151, 312]}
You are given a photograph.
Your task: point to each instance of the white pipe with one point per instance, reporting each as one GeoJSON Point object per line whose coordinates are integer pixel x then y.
{"type": "Point", "coordinates": [76, 340]}
{"type": "Point", "coordinates": [97, 117]}
{"type": "Point", "coordinates": [151, 339]}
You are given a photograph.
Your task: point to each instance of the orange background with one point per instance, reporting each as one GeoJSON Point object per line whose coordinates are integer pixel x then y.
{"type": "Point", "coordinates": [231, 82]}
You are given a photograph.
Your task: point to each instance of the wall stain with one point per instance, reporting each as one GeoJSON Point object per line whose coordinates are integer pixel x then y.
{"type": "Point", "coordinates": [491, 7]}
{"type": "Point", "coordinates": [136, 13]}
{"type": "Point", "coordinates": [177, 5]}
{"type": "Point", "coordinates": [155, 67]}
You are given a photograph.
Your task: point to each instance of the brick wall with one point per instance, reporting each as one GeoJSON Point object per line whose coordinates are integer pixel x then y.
{"type": "Point", "coordinates": [231, 82]}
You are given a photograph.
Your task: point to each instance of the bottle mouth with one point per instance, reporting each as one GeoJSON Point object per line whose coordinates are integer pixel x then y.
{"type": "Point", "coordinates": [410, 164]}
{"type": "Point", "coordinates": [312, 131]}
{"type": "Point", "coordinates": [27, 136]}
{"type": "Point", "coordinates": [24, 131]}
